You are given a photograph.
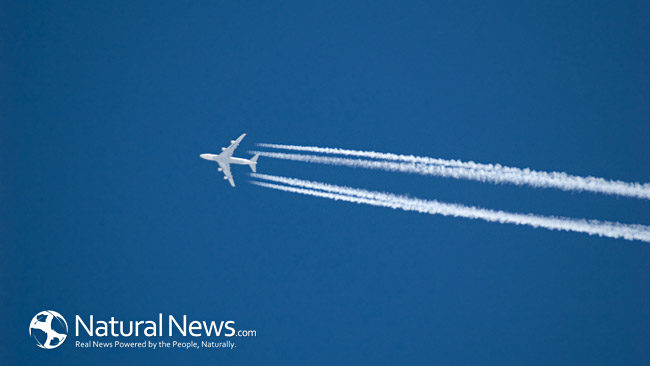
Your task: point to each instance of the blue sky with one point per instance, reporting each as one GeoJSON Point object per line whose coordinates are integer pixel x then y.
{"type": "Point", "coordinates": [109, 210]}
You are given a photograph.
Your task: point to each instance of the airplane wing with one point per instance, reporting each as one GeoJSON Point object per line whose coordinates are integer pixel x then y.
{"type": "Point", "coordinates": [233, 145]}
{"type": "Point", "coordinates": [225, 168]}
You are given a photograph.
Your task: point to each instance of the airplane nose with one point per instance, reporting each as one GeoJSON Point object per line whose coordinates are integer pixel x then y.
{"type": "Point", "coordinates": [205, 156]}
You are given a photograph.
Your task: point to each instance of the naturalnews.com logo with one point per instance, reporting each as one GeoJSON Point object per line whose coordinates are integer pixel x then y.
{"type": "Point", "coordinates": [49, 330]}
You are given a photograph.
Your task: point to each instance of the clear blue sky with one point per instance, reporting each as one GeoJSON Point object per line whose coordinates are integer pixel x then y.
{"type": "Point", "coordinates": [108, 210]}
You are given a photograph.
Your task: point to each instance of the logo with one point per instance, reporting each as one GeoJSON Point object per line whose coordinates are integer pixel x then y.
{"type": "Point", "coordinates": [49, 329]}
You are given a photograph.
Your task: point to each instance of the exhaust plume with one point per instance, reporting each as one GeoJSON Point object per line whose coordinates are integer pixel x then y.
{"type": "Point", "coordinates": [374, 198]}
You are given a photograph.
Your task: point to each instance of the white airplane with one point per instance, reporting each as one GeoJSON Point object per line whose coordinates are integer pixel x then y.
{"type": "Point", "coordinates": [225, 159]}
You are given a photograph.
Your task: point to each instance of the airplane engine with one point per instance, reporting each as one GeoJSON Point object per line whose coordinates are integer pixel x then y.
{"type": "Point", "coordinates": [223, 148]}
{"type": "Point", "coordinates": [225, 177]}
{"type": "Point", "coordinates": [232, 141]}
{"type": "Point", "coordinates": [219, 169]}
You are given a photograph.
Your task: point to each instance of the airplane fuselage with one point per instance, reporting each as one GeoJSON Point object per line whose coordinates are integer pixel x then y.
{"type": "Point", "coordinates": [225, 160]}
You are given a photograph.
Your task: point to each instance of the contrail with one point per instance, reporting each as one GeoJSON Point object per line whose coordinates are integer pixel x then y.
{"type": "Point", "coordinates": [462, 170]}
{"type": "Point", "coordinates": [516, 176]}
{"type": "Point", "coordinates": [374, 198]}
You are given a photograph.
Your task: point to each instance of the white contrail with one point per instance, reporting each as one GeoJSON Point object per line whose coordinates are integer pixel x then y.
{"type": "Point", "coordinates": [591, 227]}
{"type": "Point", "coordinates": [512, 175]}
{"type": "Point", "coordinates": [391, 166]}
{"type": "Point", "coordinates": [383, 156]}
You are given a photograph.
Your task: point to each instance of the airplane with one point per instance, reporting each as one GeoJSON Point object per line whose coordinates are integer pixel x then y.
{"type": "Point", "coordinates": [225, 159]}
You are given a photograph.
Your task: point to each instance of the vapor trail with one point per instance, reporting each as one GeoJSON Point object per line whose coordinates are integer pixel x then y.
{"type": "Point", "coordinates": [374, 198]}
{"type": "Point", "coordinates": [383, 156]}
{"type": "Point", "coordinates": [462, 170]}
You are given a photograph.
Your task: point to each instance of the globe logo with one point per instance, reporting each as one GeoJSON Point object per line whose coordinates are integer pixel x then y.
{"type": "Point", "coordinates": [49, 329]}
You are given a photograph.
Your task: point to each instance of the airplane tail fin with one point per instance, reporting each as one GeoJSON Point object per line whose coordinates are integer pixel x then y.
{"type": "Point", "coordinates": [253, 163]}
